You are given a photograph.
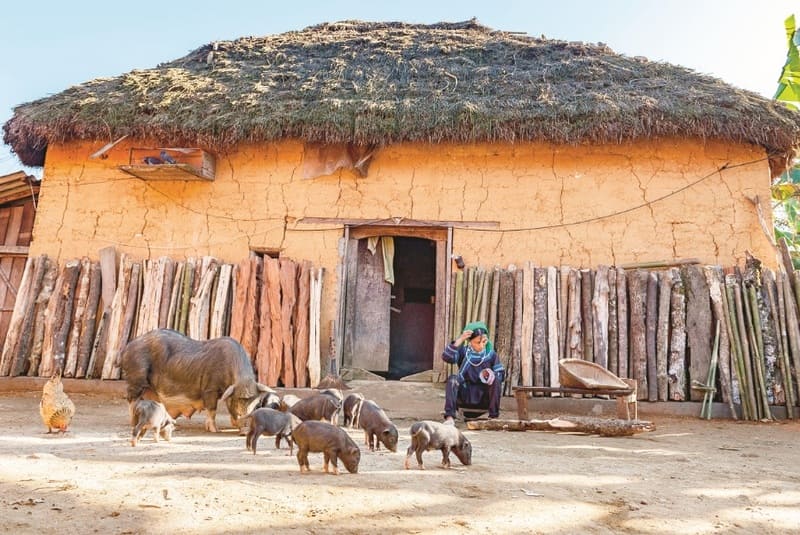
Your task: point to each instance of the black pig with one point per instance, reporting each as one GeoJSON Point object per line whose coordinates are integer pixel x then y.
{"type": "Point", "coordinates": [375, 423]}
{"type": "Point", "coordinates": [189, 375]}
{"type": "Point", "coordinates": [333, 442]}
{"type": "Point", "coordinates": [266, 421]}
{"type": "Point", "coordinates": [317, 407]}
{"type": "Point", "coordinates": [351, 407]}
{"type": "Point", "coordinates": [427, 435]}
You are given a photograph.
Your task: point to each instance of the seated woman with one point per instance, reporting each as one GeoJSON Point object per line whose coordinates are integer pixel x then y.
{"type": "Point", "coordinates": [479, 381]}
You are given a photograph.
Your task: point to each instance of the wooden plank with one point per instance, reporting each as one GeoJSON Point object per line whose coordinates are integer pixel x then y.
{"type": "Point", "coordinates": [652, 331]}
{"type": "Point", "coordinates": [637, 289]}
{"type": "Point", "coordinates": [442, 301]}
{"type": "Point", "coordinates": [15, 349]}
{"type": "Point", "coordinates": [397, 227]}
{"type": "Point", "coordinates": [8, 282]}
{"type": "Point", "coordinates": [127, 328]}
{"type": "Point", "coordinates": [272, 279]}
{"type": "Point", "coordinates": [301, 324]}
{"type": "Point", "coordinates": [89, 320]}
{"type": "Point", "coordinates": [699, 335]}
{"type": "Point", "coordinates": [623, 347]}
{"type": "Point", "coordinates": [288, 278]}
{"type": "Point", "coordinates": [505, 323]}
{"type": "Point", "coordinates": [587, 283]}
{"type": "Point", "coordinates": [563, 309]}
{"type": "Point", "coordinates": [600, 316]}
{"type": "Point", "coordinates": [63, 319]}
{"type": "Point", "coordinates": [239, 306]}
{"type": "Point", "coordinates": [662, 335]}
{"type": "Point", "coordinates": [116, 315]}
{"type": "Point", "coordinates": [42, 301]}
{"type": "Point", "coordinates": [373, 298]}
{"type": "Point", "coordinates": [613, 322]}
{"type": "Point", "coordinates": [263, 347]}
{"type": "Point", "coordinates": [516, 335]}
{"type": "Point", "coordinates": [81, 298]}
{"type": "Point", "coordinates": [553, 327]}
{"type": "Point", "coordinates": [108, 273]}
{"type": "Point", "coordinates": [168, 274]}
{"type": "Point", "coordinates": [574, 339]}
{"type": "Point", "coordinates": [347, 287]}
{"type": "Point", "coordinates": [251, 317]}
{"type": "Point", "coordinates": [14, 250]}
{"type": "Point", "coordinates": [175, 294]}
{"type": "Point", "coordinates": [528, 365]}
{"type": "Point", "coordinates": [217, 320]}
{"type": "Point", "coordinates": [314, 360]}
{"type": "Point", "coordinates": [200, 304]}
{"type": "Point", "coordinates": [541, 360]}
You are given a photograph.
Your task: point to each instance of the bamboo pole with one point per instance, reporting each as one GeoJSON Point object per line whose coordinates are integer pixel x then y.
{"type": "Point", "coordinates": [776, 289]}
{"type": "Point", "coordinates": [748, 410]}
{"type": "Point", "coordinates": [747, 369]}
{"type": "Point", "coordinates": [792, 307]}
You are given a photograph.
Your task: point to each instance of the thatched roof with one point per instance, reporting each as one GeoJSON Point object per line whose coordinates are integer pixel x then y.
{"type": "Point", "coordinates": [381, 83]}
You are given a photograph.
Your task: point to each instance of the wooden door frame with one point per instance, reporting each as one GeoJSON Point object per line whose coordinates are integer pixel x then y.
{"type": "Point", "coordinates": [442, 237]}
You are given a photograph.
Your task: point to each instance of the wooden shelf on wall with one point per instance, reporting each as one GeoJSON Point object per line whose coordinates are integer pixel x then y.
{"type": "Point", "coordinates": [155, 164]}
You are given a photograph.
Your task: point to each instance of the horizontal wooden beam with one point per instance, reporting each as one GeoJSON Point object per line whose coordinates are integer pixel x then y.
{"type": "Point", "coordinates": [14, 250]}
{"type": "Point", "coordinates": [397, 222]}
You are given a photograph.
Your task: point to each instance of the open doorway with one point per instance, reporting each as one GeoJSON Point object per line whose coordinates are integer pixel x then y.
{"type": "Point", "coordinates": [394, 329]}
{"type": "Point", "coordinates": [412, 316]}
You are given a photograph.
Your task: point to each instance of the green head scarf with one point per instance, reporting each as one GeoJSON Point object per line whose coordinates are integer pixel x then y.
{"type": "Point", "coordinates": [476, 324]}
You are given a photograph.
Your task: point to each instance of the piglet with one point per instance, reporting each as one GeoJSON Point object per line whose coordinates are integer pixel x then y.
{"type": "Point", "coordinates": [375, 423]}
{"type": "Point", "coordinates": [351, 407]}
{"type": "Point", "coordinates": [149, 414]}
{"type": "Point", "coordinates": [317, 407]}
{"type": "Point", "coordinates": [270, 422]}
{"type": "Point", "coordinates": [333, 442]}
{"type": "Point", "coordinates": [428, 435]}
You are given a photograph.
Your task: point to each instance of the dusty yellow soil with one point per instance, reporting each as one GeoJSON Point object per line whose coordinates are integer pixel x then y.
{"type": "Point", "coordinates": [687, 476]}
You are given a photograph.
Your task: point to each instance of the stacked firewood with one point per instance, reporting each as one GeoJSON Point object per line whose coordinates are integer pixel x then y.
{"type": "Point", "coordinates": [653, 323]}
{"type": "Point", "coordinates": [79, 317]}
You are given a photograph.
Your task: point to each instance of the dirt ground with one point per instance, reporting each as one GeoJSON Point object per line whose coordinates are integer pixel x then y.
{"type": "Point", "coordinates": [687, 476]}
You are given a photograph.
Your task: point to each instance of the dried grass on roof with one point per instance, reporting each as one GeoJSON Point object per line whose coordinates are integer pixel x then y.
{"type": "Point", "coordinates": [381, 83]}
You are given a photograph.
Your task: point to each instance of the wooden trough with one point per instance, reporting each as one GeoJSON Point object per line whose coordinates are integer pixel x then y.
{"type": "Point", "coordinates": [582, 377]}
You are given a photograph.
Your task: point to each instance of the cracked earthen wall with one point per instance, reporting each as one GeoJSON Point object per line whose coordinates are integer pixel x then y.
{"type": "Point", "coordinates": [556, 205]}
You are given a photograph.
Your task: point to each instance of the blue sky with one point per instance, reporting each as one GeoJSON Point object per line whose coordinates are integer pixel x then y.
{"type": "Point", "coordinates": [51, 45]}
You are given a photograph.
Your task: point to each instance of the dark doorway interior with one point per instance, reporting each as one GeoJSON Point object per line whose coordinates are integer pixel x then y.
{"type": "Point", "coordinates": [413, 306]}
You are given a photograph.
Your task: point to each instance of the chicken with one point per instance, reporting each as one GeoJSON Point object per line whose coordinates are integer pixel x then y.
{"type": "Point", "coordinates": [56, 408]}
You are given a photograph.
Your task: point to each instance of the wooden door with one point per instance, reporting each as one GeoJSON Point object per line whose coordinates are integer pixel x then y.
{"type": "Point", "coordinates": [368, 298]}
{"type": "Point", "coordinates": [16, 223]}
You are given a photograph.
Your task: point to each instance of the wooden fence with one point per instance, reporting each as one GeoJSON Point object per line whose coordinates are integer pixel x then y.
{"type": "Point", "coordinates": [677, 330]}
{"type": "Point", "coordinates": [79, 318]}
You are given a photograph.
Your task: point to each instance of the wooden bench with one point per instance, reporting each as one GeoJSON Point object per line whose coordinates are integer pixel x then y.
{"type": "Point", "coordinates": [627, 406]}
